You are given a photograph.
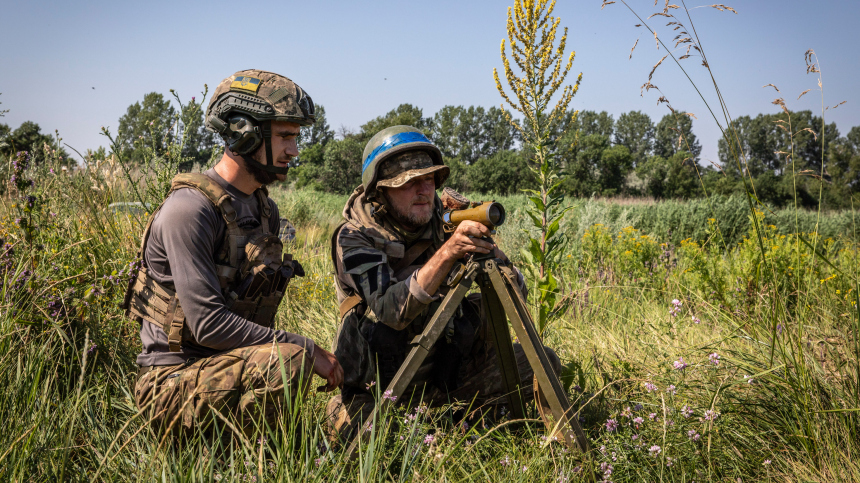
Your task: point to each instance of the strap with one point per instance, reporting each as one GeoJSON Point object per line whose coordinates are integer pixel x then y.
{"type": "Point", "coordinates": [348, 304]}
{"type": "Point", "coordinates": [265, 210]}
{"type": "Point", "coordinates": [353, 300]}
{"type": "Point", "coordinates": [174, 323]}
{"type": "Point", "coordinates": [233, 231]}
{"type": "Point", "coordinates": [266, 128]}
{"type": "Point", "coordinates": [411, 255]}
{"type": "Point", "coordinates": [225, 274]}
{"type": "Point", "coordinates": [333, 245]}
{"type": "Point", "coordinates": [202, 183]}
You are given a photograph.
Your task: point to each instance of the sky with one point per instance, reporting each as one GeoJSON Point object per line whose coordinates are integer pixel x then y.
{"type": "Point", "coordinates": [77, 66]}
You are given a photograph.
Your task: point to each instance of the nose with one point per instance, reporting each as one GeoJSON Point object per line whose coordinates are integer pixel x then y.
{"type": "Point", "coordinates": [291, 149]}
{"type": "Point", "coordinates": [426, 186]}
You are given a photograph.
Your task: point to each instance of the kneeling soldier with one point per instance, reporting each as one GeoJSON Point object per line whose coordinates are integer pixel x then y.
{"type": "Point", "coordinates": [212, 273]}
{"type": "Point", "coordinates": [391, 257]}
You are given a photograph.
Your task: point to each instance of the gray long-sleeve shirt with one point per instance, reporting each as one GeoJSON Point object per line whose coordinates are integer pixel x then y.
{"type": "Point", "coordinates": [184, 238]}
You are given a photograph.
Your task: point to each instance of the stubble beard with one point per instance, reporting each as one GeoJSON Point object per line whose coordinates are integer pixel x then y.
{"type": "Point", "coordinates": [260, 175]}
{"type": "Point", "coordinates": [408, 219]}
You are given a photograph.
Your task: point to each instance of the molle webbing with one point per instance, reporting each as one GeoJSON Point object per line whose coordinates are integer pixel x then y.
{"type": "Point", "coordinates": [153, 301]}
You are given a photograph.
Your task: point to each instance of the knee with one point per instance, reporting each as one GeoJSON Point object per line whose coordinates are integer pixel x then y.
{"type": "Point", "coordinates": [282, 360]}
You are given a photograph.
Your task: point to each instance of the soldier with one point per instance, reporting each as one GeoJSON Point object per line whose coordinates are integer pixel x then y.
{"type": "Point", "coordinates": [391, 257]}
{"type": "Point", "coordinates": [212, 273]}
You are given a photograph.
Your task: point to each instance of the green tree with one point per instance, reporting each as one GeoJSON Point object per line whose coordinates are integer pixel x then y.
{"type": "Point", "coordinates": [582, 171]}
{"type": "Point", "coordinates": [673, 177]}
{"type": "Point", "coordinates": [5, 131]}
{"type": "Point", "coordinates": [29, 137]}
{"type": "Point", "coordinates": [674, 133]}
{"type": "Point", "coordinates": [311, 167]}
{"type": "Point", "coordinates": [765, 142]}
{"type": "Point", "coordinates": [146, 128]}
{"type": "Point", "coordinates": [503, 173]}
{"type": "Point", "coordinates": [458, 179]}
{"type": "Point", "coordinates": [342, 165]}
{"type": "Point", "coordinates": [843, 168]}
{"type": "Point", "coordinates": [615, 163]}
{"type": "Point", "coordinates": [470, 133]}
{"type": "Point", "coordinates": [317, 133]}
{"type": "Point", "coordinates": [404, 114]}
{"type": "Point", "coordinates": [591, 122]}
{"type": "Point", "coordinates": [635, 131]}
{"type": "Point", "coordinates": [198, 143]}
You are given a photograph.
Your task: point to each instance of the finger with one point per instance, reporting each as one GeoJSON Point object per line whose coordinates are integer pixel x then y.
{"type": "Point", "coordinates": [482, 244]}
{"type": "Point", "coordinates": [476, 230]}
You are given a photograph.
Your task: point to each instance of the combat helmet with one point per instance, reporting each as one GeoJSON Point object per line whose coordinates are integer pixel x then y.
{"type": "Point", "coordinates": [244, 105]}
{"type": "Point", "coordinates": [404, 145]}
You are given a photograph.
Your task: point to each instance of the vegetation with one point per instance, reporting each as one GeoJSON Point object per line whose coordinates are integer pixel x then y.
{"type": "Point", "coordinates": [713, 339]}
{"type": "Point", "coordinates": [68, 370]}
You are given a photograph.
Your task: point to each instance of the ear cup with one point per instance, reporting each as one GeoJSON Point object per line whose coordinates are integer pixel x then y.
{"type": "Point", "coordinates": [242, 134]}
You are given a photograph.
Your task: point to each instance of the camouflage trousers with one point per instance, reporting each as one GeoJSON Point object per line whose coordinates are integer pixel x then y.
{"type": "Point", "coordinates": [246, 386]}
{"type": "Point", "coordinates": [481, 385]}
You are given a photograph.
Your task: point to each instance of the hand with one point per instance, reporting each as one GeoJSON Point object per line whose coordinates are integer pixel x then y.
{"type": "Point", "coordinates": [327, 367]}
{"type": "Point", "coordinates": [467, 239]}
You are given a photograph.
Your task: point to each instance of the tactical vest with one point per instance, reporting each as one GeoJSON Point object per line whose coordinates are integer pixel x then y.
{"type": "Point", "coordinates": [252, 286]}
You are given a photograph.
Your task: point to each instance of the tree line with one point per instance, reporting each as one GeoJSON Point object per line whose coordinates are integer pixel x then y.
{"type": "Point", "coordinates": [602, 156]}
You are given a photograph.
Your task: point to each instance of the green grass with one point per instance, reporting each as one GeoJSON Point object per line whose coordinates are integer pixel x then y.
{"type": "Point", "coordinates": [784, 395]}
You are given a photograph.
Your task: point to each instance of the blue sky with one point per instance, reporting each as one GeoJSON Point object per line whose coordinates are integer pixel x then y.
{"type": "Point", "coordinates": [361, 59]}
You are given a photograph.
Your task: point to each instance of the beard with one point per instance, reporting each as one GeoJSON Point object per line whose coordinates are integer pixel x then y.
{"type": "Point", "coordinates": [407, 218]}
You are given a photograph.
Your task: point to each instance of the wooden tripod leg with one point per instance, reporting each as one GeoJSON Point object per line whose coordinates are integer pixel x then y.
{"type": "Point", "coordinates": [533, 347]}
{"type": "Point", "coordinates": [497, 324]}
{"type": "Point", "coordinates": [421, 346]}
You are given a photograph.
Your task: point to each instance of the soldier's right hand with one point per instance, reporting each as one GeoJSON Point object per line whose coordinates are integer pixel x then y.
{"type": "Point", "coordinates": [467, 239]}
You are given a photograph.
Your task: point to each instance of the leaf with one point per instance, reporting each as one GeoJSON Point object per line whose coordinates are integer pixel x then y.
{"type": "Point", "coordinates": [527, 256]}
{"type": "Point", "coordinates": [534, 249]}
{"type": "Point", "coordinates": [538, 202]}
{"type": "Point", "coordinates": [553, 228]}
{"type": "Point", "coordinates": [547, 285]}
{"type": "Point", "coordinates": [535, 219]}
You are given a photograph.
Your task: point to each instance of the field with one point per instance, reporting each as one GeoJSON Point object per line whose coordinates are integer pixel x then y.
{"type": "Point", "coordinates": [694, 349]}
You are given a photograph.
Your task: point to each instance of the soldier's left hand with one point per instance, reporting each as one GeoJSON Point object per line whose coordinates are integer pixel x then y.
{"type": "Point", "coordinates": [327, 367]}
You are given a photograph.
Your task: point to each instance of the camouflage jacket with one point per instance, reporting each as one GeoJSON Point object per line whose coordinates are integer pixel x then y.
{"type": "Point", "coordinates": [368, 253]}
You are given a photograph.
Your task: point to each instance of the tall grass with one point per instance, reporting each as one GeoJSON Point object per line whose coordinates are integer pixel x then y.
{"type": "Point", "coordinates": [67, 366]}
{"type": "Point", "coordinates": [710, 340]}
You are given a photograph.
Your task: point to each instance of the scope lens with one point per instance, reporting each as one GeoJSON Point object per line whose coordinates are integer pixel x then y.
{"type": "Point", "coordinates": [496, 214]}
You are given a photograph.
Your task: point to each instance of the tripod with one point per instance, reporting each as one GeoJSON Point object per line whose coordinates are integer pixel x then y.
{"type": "Point", "coordinates": [502, 300]}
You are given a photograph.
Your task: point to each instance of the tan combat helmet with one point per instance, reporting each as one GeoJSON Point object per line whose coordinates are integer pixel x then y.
{"type": "Point", "coordinates": [244, 105]}
{"type": "Point", "coordinates": [398, 154]}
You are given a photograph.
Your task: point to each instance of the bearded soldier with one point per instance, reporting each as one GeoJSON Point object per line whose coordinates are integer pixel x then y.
{"type": "Point", "coordinates": [391, 256]}
{"type": "Point", "coordinates": [212, 273]}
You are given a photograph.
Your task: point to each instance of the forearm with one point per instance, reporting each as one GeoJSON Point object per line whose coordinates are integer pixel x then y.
{"type": "Point", "coordinates": [433, 273]}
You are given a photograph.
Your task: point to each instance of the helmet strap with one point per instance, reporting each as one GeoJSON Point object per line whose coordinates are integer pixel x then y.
{"type": "Point", "coordinates": [269, 165]}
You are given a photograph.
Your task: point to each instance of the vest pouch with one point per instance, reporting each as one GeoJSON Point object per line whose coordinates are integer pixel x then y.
{"type": "Point", "coordinates": [267, 307]}
{"type": "Point", "coordinates": [261, 271]}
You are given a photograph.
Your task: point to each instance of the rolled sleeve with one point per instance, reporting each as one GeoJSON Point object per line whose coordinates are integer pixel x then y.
{"type": "Point", "coordinates": [418, 292]}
